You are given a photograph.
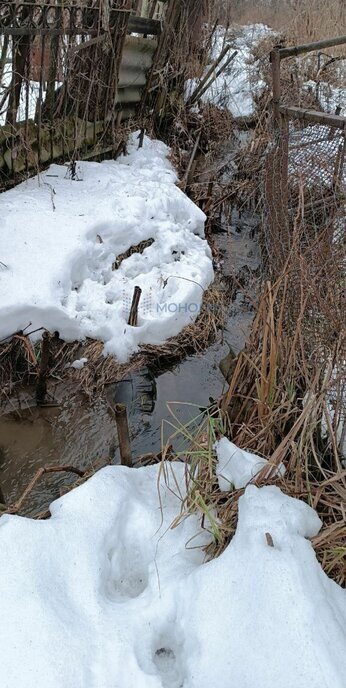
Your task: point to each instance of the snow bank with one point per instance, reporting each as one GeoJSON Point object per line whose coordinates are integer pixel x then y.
{"type": "Point", "coordinates": [238, 467]}
{"type": "Point", "coordinates": [237, 85]}
{"type": "Point", "coordinates": [106, 595]}
{"type": "Point", "coordinates": [59, 239]}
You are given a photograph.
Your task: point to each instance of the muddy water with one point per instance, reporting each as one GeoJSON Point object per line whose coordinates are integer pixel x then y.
{"type": "Point", "coordinates": [80, 433]}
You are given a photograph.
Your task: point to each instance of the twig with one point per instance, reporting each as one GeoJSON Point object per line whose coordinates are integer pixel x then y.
{"type": "Point", "coordinates": [39, 473]}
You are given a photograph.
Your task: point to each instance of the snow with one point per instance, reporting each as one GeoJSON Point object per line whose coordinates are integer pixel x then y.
{"type": "Point", "coordinates": [238, 467]}
{"type": "Point", "coordinates": [105, 594]}
{"type": "Point", "coordinates": [79, 363]}
{"type": "Point", "coordinates": [237, 85]}
{"type": "Point", "coordinates": [60, 238]}
{"type": "Point", "coordinates": [331, 97]}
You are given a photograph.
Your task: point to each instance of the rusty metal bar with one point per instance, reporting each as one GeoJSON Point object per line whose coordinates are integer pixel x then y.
{"type": "Point", "coordinates": [142, 25]}
{"type": "Point", "coordinates": [309, 47]}
{"type": "Point", "coordinates": [313, 116]}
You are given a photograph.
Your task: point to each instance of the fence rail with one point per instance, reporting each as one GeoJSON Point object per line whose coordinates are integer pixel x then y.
{"type": "Point", "coordinates": [58, 19]}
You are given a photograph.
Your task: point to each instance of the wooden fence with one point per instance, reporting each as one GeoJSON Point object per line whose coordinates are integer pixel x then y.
{"type": "Point", "coordinates": [68, 74]}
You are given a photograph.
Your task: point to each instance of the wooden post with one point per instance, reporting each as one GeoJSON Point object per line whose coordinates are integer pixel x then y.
{"type": "Point", "coordinates": [141, 137]}
{"type": "Point", "coordinates": [41, 385]}
{"type": "Point", "coordinates": [20, 56]}
{"type": "Point", "coordinates": [276, 173]}
{"type": "Point", "coordinates": [134, 307]}
{"type": "Point", "coordinates": [2, 498]}
{"type": "Point", "coordinates": [123, 435]}
{"type": "Point", "coordinates": [275, 66]}
{"type": "Point", "coordinates": [3, 56]}
{"type": "Point", "coordinates": [152, 9]}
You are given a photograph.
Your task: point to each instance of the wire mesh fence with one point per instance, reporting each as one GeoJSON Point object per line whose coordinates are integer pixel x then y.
{"type": "Point", "coordinates": [304, 235]}
{"type": "Point", "coordinates": [305, 183]}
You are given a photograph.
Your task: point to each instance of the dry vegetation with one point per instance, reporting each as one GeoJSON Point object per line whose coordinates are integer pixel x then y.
{"type": "Point", "coordinates": [285, 401]}
{"type": "Point", "coordinates": [287, 389]}
{"type": "Point", "coordinates": [303, 21]}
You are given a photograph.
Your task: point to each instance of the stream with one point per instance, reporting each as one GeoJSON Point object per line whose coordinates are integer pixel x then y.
{"type": "Point", "coordinates": [80, 433]}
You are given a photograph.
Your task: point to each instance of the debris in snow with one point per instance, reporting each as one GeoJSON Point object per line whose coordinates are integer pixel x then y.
{"type": "Point", "coordinates": [107, 583]}
{"type": "Point", "coordinates": [238, 467]}
{"type": "Point", "coordinates": [61, 275]}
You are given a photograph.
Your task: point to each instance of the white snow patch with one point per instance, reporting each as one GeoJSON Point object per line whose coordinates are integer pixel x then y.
{"type": "Point", "coordinates": [331, 97]}
{"type": "Point", "coordinates": [105, 595]}
{"type": "Point", "coordinates": [238, 467]}
{"type": "Point", "coordinates": [236, 86]}
{"type": "Point", "coordinates": [79, 363]}
{"type": "Point", "coordinates": [60, 238]}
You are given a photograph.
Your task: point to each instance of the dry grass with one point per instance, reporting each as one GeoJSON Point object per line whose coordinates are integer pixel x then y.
{"type": "Point", "coordinates": [278, 405]}
{"type": "Point", "coordinates": [303, 21]}
{"type": "Point", "coordinates": [287, 391]}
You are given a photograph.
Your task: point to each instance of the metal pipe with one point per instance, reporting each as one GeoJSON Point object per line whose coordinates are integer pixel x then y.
{"type": "Point", "coordinates": [308, 47]}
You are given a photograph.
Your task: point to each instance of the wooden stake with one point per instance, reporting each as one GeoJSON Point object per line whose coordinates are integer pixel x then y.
{"type": "Point", "coordinates": [141, 137]}
{"type": "Point", "coordinates": [123, 435]}
{"type": "Point", "coordinates": [2, 498]}
{"type": "Point", "coordinates": [41, 385]}
{"type": "Point", "coordinates": [276, 86]}
{"type": "Point", "coordinates": [134, 307]}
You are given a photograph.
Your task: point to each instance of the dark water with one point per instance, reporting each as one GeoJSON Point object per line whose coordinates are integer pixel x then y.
{"type": "Point", "coordinates": [81, 433]}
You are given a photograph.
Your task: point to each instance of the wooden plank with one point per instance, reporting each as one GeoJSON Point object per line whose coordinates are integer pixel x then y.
{"type": "Point", "coordinates": [150, 27]}
{"type": "Point", "coordinates": [313, 116]}
{"type": "Point", "coordinates": [309, 47]}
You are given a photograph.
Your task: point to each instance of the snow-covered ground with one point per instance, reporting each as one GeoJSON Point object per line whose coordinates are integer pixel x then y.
{"type": "Point", "coordinates": [237, 85]}
{"type": "Point", "coordinates": [236, 467]}
{"type": "Point", "coordinates": [105, 594]}
{"type": "Point", "coordinates": [60, 237]}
